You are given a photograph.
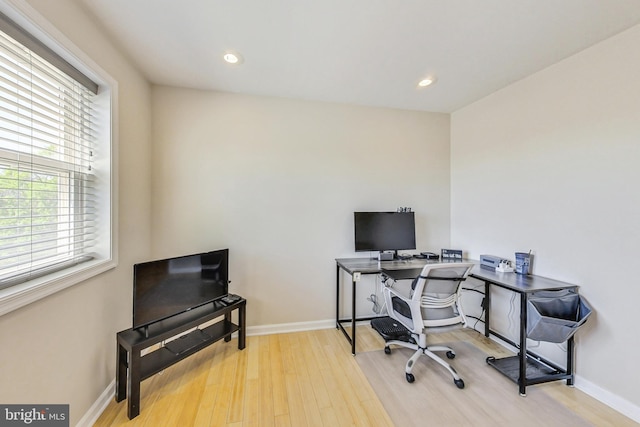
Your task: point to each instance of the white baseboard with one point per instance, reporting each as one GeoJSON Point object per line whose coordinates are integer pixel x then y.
{"type": "Point", "coordinates": [621, 405]}
{"type": "Point", "coordinates": [98, 407]}
{"type": "Point", "coordinates": [282, 328]}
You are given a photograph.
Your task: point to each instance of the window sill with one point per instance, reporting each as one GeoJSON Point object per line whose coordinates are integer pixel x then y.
{"type": "Point", "coordinates": [18, 296]}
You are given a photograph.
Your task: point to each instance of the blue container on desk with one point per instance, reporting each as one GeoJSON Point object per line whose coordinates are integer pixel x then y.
{"type": "Point", "coordinates": [523, 262]}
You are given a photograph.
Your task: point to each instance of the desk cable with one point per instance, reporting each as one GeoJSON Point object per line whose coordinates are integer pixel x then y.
{"type": "Point", "coordinates": [482, 304]}
{"type": "Point", "coordinates": [510, 315]}
{"type": "Point", "coordinates": [384, 280]}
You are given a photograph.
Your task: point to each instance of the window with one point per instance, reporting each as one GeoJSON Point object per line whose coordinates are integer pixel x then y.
{"type": "Point", "coordinates": [55, 206]}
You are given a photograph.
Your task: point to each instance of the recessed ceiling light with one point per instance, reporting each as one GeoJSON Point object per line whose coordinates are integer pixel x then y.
{"type": "Point", "coordinates": [232, 58]}
{"type": "Point", "coordinates": [427, 81]}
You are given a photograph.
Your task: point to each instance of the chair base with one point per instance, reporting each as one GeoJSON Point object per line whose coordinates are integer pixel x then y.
{"type": "Point", "coordinates": [394, 333]}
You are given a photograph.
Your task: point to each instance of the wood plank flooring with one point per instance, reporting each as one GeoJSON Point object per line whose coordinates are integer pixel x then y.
{"type": "Point", "coordinates": [295, 379]}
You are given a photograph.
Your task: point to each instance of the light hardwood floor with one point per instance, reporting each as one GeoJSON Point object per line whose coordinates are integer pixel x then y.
{"type": "Point", "coordinates": [295, 379]}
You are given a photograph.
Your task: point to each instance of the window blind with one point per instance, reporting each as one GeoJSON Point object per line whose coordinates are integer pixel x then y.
{"type": "Point", "coordinates": [48, 204]}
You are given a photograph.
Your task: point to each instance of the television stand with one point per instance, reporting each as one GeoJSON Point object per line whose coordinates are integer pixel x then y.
{"type": "Point", "coordinates": [132, 368]}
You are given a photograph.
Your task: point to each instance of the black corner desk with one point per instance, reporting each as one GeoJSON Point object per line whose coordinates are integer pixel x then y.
{"type": "Point", "coordinates": [525, 368]}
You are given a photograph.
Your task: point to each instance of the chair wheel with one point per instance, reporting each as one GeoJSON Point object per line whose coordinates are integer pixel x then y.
{"type": "Point", "coordinates": [410, 378]}
{"type": "Point", "coordinates": [459, 383]}
{"type": "Point", "coordinates": [387, 350]}
{"type": "Point", "coordinates": [451, 355]}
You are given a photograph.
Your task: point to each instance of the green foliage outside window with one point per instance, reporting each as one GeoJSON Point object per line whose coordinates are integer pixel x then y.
{"type": "Point", "coordinates": [29, 209]}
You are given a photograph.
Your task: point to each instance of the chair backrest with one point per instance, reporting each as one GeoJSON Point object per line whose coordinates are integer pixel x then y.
{"type": "Point", "coordinates": [436, 292]}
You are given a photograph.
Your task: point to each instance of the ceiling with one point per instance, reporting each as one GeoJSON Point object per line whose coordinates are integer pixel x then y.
{"type": "Point", "coordinates": [364, 52]}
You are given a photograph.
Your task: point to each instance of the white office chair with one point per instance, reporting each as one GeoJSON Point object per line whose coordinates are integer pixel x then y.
{"type": "Point", "coordinates": [432, 304]}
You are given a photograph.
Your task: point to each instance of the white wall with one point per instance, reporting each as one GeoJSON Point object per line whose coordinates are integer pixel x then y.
{"type": "Point", "coordinates": [277, 181]}
{"type": "Point", "coordinates": [551, 164]}
{"type": "Point", "coordinates": [62, 349]}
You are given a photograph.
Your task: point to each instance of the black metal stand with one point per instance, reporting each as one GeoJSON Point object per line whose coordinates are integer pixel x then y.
{"type": "Point", "coordinates": [132, 368]}
{"type": "Point", "coordinates": [526, 368]}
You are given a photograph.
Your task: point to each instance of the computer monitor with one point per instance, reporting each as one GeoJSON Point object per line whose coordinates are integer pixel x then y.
{"type": "Point", "coordinates": [384, 231]}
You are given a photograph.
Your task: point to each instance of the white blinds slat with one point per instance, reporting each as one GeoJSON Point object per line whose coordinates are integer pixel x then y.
{"type": "Point", "coordinates": [47, 200]}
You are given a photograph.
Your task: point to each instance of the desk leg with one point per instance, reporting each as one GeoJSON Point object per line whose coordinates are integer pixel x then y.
{"type": "Point", "coordinates": [121, 373]}
{"type": "Point", "coordinates": [227, 319]}
{"type": "Point", "coordinates": [353, 317]}
{"type": "Point", "coordinates": [351, 338]}
{"type": "Point", "coordinates": [133, 385]}
{"type": "Point", "coordinates": [337, 297]}
{"type": "Point", "coordinates": [242, 322]}
{"type": "Point", "coordinates": [570, 349]}
{"type": "Point", "coordinates": [522, 380]}
{"type": "Point", "coordinates": [487, 308]}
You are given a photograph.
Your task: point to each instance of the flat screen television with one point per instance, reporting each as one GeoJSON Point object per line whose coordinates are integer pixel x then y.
{"type": "Point", "coordinates": [384, 231]}
{"type": "Point", "coordinates": [167, 287]}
